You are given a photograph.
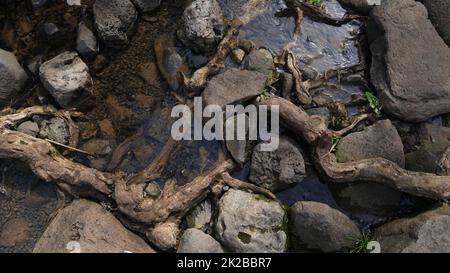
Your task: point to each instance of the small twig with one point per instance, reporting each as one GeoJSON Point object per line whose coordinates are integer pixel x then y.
{"type": "Point", "coordinates": [68, 147]}
{"type": "Point", "coordinates": [347, 129]}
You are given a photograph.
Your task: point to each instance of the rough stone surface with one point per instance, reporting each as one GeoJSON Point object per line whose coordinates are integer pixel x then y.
{"type": "Point", "coordinates": [86, 42]}
{"type": "Point", "coordinates": [233, 86]}
{"type": "Point", "coordinates": [203, 25]}
{"type": "Point", "coordinates": [261, 60]}
{"type": "Point", "coordinates": [146, 5]}
{"type": "Point", "coordinates": [439, 13]}
{"type": "Point", "coordinates": [322, 112]}
{"type": "Point", "coordinates": [379, 140]}
{"type": "Point", "coordinates": [65, 77]}
{"type": "Point", "coordinates": [411, 75]}
{"type": "Point", "coordinates": [238, 148]}
{"type": "Point", "coordinates": [29, 127]}
{"type": "Point", "coordinates": [250, 223]}
{"type": "Point", "coordinates": [115, 20]}
{"type": "Point", "coordinates": [278, 169]}
{"type": "Point", "coordinates": [196, 241]}
{"type": "Point", "coordinates": [200, 216]}
{"type": "Point", "coordinates": [316, 226]}
{"type": "Point", "coordinates": [54, 129]}
{"type": "Point", "coordinates": [426, 233]}
{"type": "Point", "coordinates": [95, 229]}
{"type": "Point", "coordinates": [12, 77]}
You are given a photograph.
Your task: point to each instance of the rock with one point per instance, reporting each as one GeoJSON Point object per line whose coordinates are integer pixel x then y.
{"type": "Point", "coordinates": [250, 223]}
{"type": "Point", "coordinates": [54, 129]}
{"type": "Point", "coordinates": [146, 5]}
{"type": "Point", "coordinates": [433, 141]}
{"type": "Point", "coordinates": [14, 232]}
{"type": "Point", "coordinates": [234, 86]}
{"type": "Point", "coordinates": [379, 140]}
{"type": "Point", "coordinates": [202, 25]}
{"type": "Point", "coordinates": [92, 227]}
{"type": "Point", "coordinates": [196, 241]}
{"type": "Point", "coordinates": [322, 112]}
{"type": "Point", "coordinates": [39, 3]}
{"type": "Point", "coordinates": [278, 169]}
{"type": "Point", "coordinates": [29, 128]}
{"type": "Point", "coordinates": [316, 226]}
{"type": "Point", "coordinates": [439, 14]}
{"type": "Point", "coordinates": [200, 216]}
{"type": "Point", "coordinates": [114, 21]}
{"type": "Point", "coordinates": [99, 147]}
{"type": "Point", "coordinates": [153, 190]}
{"type": "Point", "coordinates": [53, 34]}
{"type": "Point", "coordinates": [164, 235]}
{"type": "Point", "coordinates": [170, 62]}
{"type": "Point", "coordinates": [65, 77]}
{"type": "Point", "coordinates": [12, 78]}
{"type": "Point", "coordinates": [287, 84]}
{"type": "Point", "coordinates": [361, 6]}
{"type": "Point", "coordinates": [86, 42]}
{"type": "Point", "coordinates": [238, 55]}
{"type": "Point", "coordinates": [261, 60]}
{"type": "Point", "coordinates": [425, 233]}
{"type": "Point", "coordinates": [238, 148]}
{"type": "Point", "coordinates": [410, 74]}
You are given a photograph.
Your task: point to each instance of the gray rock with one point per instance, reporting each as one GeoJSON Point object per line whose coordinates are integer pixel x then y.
{"type": "Point", "coordinates": [287, 82]}
{"type": "Point", "coordinates": [203, 25]}
{"type": "Point", "coordinates": [196, 241]}
{"type": "Point", "coordinates": [379, 140]}
{"type": "Point", "coordinates": [425, 233]}
{"type": "Point", "coordinates": [261, 60]}
{"type": "Point", "coordinates": [239, 149]}
{"type": "Point", "coordinates": [322, 112]}
{"type": "Point", "coordinates": [54, 129]}
{"type": "Point", "coordinates": [115, 20]}
{"type": "Point", "coordinates": [170, 63]}
{"type": "Point", "coordinates": [53, 34]}
{"type": "Point", "coordinates": [249, 223]}
{"type": "Point", "coordinates": [146, 5]}
{"type": "Point", "coordinates": [200, 216]}
{"type": "Point", "coordinates": [439, 13]}
{"type": "Point", "coordinates": [411, 75]}
{"type": "Point", "coordinates": [65, 77]}
{"type": "Point", "coordinates": [93, 228]}
{"type": "Point", "coordinates": [29, 127]}
{"type": "Point", "coordinates": [39, 3]}
{"type": "Point", "coordinates": [234, 86]}
{"type": "Point", "coordinates": [87, 44]}
{"type": "Point", "coordinates": [278, 169]}
{"type": "Point", "coordinates": [153, 190]}
{"type": "Point", "coordinates": [433, 141]}
{"type": "Point", "coordinates": [12, 77]}
{"type": "Point", "coordinates": [100, 147]}
{"type": "Point", "coordinates": [316, 226]}
{"type": "Point", "coordinates": [361, 6]}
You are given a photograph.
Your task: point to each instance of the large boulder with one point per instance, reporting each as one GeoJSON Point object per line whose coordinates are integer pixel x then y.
{"type": "Point", "coordinates": [411, 75]}
{"type": "Point", "coordinates": [380, 140]}
{"type": "Point", "coordinates": [316, 226]}
{"type": "Point", "coordinates": [427, 232]}
{"type": "Point", "coordinates": [90, 228]}
{"type": "Point", "coordinates": [65, 77]}
{"type": "Point", "coordinates": [234, 86]}
{"type": "Point", "coordinates": [12, 77]}
{"type": "Point", "coordinates": [278, 169]}
{"type": "Point", "coordinates": [250, 223]}
{"type": "Point", "coordinates": [196, 241]}
{"type": "Point", "coordinates": [203, 25]}
{"type": "Point", "coordinates": [439, 13]}
{"type": "Point", "coordinates": [115, 20]}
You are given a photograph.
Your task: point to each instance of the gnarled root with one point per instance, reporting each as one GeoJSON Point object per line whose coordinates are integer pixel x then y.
{"type": "Point", "coordinates": [315, 132]}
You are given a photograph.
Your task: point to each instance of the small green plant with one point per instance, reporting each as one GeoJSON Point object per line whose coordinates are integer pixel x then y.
{"type": "Point", "coordinates": [314, 2]}
{"type": "Point", "coordinates": [360, 243]}
{"type": "Point", "coordinates": [374, 105]}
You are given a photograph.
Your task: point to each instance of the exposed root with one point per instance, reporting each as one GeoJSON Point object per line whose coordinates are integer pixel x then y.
{"type": "Point", "coordinates": [300, 88]}
{"type": "Point", "coordinates": [241, 185]}
{"type": "Point", "coordinates": [315, 132]}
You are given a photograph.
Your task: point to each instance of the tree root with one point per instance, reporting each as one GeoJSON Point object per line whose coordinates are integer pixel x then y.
{"type": "Point", "coordinates": [314, 131]}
